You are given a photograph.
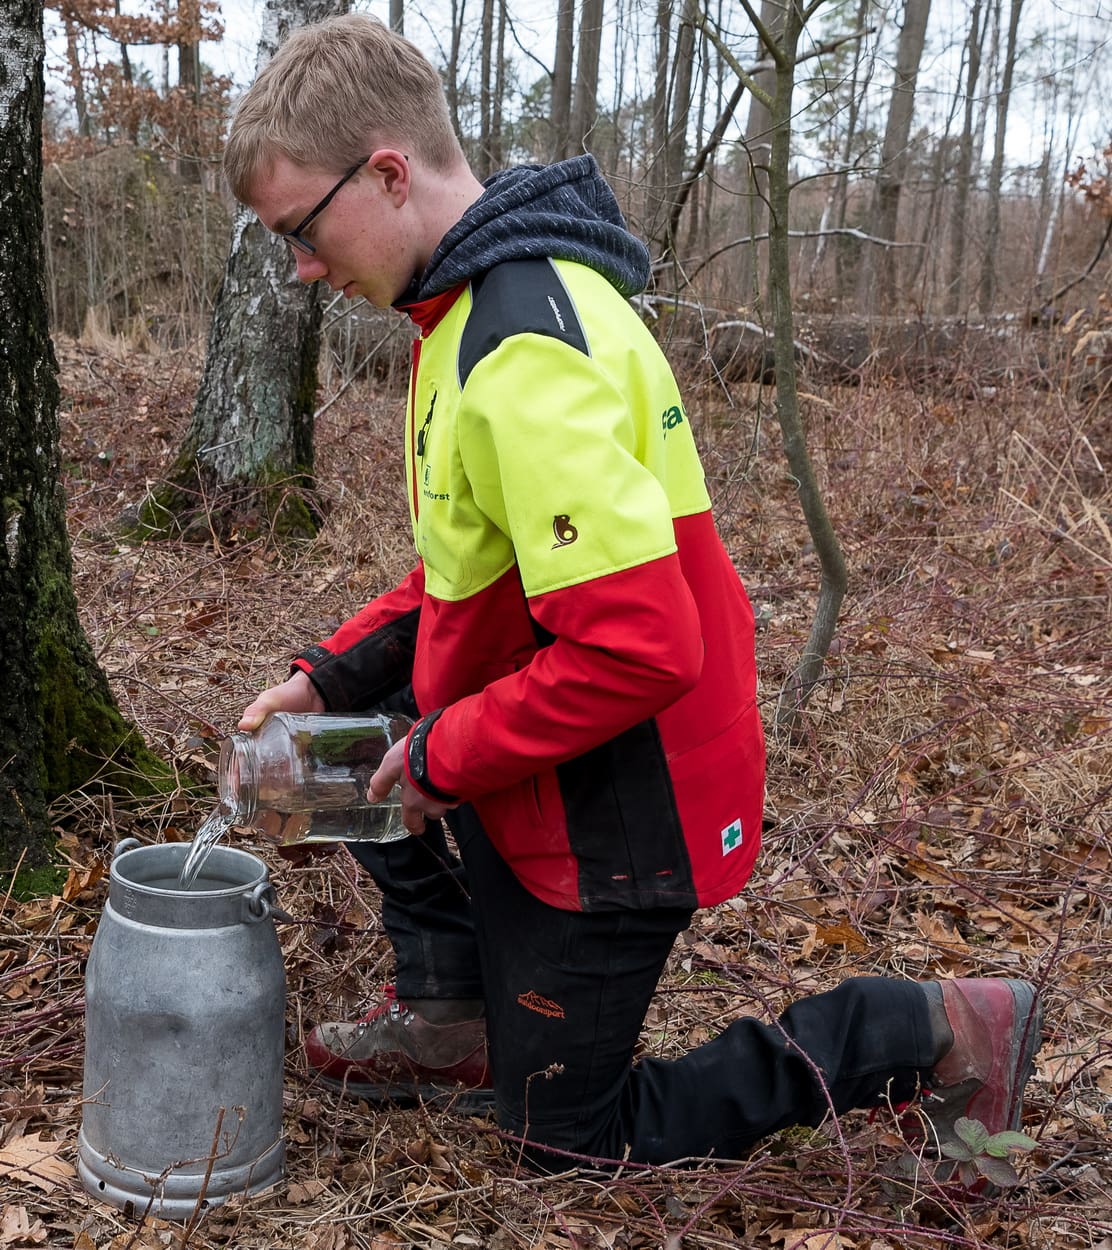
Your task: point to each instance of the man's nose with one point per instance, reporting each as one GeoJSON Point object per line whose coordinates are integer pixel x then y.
{"type": "Point", "coordinates": [309, 267]}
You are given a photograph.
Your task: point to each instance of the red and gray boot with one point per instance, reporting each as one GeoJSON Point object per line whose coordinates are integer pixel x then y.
{"type": "Point", "coordinates": [996, 1029]}
{"type": "Point", "coordinates": [397, 1053]}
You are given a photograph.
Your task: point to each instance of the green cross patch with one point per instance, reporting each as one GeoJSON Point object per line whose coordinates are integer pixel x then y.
{"type": "Point", "coordinates": [731, 837]}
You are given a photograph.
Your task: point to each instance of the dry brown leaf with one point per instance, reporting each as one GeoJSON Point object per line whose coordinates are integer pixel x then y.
{"type": "Point", "coordinates": [145, 1239]}
{"type": "Point", "coordinates": [17, 1228]}
{"type": "Point", "coordinates": [79, 880]}
{"type": "Point", "coordinates": [35, 1162]}
{"type": "Point", "coordinates": [811, 1239]}
{"type": "Point", "coordinates": [328, 1237]}
{"type": "Point", "coordinates": [939, 929]}
{"type": "Point", "coordinates": [841, 934]}
{"type": "Point", "coordinates": [1058, 1067]}
{"type": "Point", "coordinates": [305, 1191]}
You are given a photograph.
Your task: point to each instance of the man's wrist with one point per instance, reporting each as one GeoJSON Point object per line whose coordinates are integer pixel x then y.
{"type": "Point", "coordinates": [416, 760]}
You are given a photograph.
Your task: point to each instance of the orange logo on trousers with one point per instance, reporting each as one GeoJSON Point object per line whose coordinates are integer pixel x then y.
{"type": "Point", "coordinates": [542, 1006]}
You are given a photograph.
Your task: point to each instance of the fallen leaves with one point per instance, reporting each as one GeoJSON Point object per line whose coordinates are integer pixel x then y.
{"type": "Point", "coordinates": [31, 1161]}
{"type": "Point", "coordinates": [811, 1239]}
{"type": "Point", "coordinates": [19, 1228]}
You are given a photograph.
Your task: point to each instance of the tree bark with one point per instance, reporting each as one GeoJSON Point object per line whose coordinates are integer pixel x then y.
{"type": "Point", "coordinates": [483, 166]}
{"type": "Point", "coordinates": [59, 725]}
{"type": "Point", "coordinates": [758, 149]}
{"type": "Point", "coordinates": [585, 107]}
{"type": "Point", "coordinates": [246, 462]}
{"type": "Point", "coordinates": [561, 79]}
{"type": "Point", "coordinates": [451, 74]}
{"type": "Point", "coordinates": [893, 157]}
{"type": "Point", "coordinates": [189, 82]}
{"type": "Point", "coordinates": [497, 138]}
{"type": "Point", "coordinates": [683, 65]}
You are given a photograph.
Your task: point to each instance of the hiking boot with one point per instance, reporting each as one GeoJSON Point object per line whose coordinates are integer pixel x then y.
{"type": "Point", "coordinates": [996, 1026]}
{"type": "Point", "coordinates": [396, 1054]}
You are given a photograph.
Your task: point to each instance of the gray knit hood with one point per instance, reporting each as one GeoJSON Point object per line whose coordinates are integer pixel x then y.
{"type": "Point", "coordinates": [564, 211]}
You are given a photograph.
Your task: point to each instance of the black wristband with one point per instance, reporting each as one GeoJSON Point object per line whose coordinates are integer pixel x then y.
{"type": "Point", "coordinates": [416, 758]}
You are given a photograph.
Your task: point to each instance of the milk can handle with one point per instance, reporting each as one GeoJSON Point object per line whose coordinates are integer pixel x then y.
{"type": "Point", "coordinates": [259, 902]}
{"type": "Point", "coordinates": [262, 903]}
{"type": "Point", "coordinates": [128, 844]}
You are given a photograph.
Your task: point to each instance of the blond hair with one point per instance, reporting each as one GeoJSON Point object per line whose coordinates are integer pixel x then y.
{"type": "Point", "coordinates": [331, 94]}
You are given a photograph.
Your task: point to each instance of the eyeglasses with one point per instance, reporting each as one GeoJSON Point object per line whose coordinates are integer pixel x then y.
{"type": "Point", "coordinates": [293, 237]}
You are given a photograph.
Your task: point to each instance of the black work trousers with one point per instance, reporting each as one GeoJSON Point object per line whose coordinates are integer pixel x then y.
{"type": "Point", "coordinates": [566, 995]}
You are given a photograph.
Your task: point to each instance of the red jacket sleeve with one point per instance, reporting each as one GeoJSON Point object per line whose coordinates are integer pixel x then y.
{"type": "Point", "coordinates": [625, 646]}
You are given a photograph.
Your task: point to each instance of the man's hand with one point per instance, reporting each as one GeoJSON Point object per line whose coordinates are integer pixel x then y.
{"type": "Point", "coordinates": [298, 694]}
{"type": "Point", "coordinates": [416, 807]}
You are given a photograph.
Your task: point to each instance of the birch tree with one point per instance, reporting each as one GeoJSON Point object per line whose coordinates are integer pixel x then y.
{"type": "Point", "coordinates": [247, 457]}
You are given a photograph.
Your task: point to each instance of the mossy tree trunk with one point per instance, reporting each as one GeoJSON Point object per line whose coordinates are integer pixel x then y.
{"type": "Point", "coordinates": [59, 725]}
{"type": "Point", "coordinates": [246, 463]}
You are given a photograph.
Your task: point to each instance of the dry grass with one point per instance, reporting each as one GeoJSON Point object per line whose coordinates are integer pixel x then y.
{"type": "Point", "coordinates": [945, 813]}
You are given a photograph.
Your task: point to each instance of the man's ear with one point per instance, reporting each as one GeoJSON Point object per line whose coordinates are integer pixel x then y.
{"type": "Point", "coordinates": [392, 167]}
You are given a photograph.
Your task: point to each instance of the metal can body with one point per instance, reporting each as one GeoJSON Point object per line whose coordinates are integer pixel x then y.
{"type": "Point", "coordinates": [184, 1035]}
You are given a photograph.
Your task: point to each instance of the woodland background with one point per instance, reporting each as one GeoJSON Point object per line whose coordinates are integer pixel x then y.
{"type": "Point", "coordinates": [942, 808]}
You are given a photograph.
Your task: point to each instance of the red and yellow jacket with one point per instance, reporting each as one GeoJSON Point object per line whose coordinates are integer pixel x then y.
{"type": "Point", "coordinates": [578, 641]}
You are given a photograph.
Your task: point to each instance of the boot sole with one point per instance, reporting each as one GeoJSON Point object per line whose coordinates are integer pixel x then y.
{"type": "Point", "coordinates": [442, 1097]}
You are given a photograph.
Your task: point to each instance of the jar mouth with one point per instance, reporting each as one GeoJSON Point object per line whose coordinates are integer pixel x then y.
{"type": "Point", "coordinates": [236, 774]}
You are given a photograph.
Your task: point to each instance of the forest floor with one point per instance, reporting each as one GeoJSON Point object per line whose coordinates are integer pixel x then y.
{"type": "Point", "coordinates": [946, 811]}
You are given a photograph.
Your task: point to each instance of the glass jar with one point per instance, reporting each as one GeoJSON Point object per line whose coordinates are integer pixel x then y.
{"type": "Point", "coordinates": [304, 777]}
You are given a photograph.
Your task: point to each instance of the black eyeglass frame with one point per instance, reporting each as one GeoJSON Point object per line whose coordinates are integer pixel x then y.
{"type": "Point", "coordinates": [293, 237]}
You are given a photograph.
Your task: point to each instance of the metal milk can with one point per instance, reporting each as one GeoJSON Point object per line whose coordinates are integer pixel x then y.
{"type": "Point", "coordinates": [184, 1034]}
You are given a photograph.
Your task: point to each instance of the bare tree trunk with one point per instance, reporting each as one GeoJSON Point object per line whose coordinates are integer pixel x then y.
{"type": "Point", "coordinates": [585, 108]}
{"type": "Point", "coordinates": [996, 171]}
{"type": "Point", "coordinates": [758, 149]}
{"type": "Point", "coordinates": [397, 16]}
{"type": "Point", "coordinates": [496, 136]}
{"type": "Point", "coordinates": [893, 157]}
{"type": "Point", "coordinates": [963, 175]}
{"type": "Point", "coordinates": [657, 160]}
{"type": "Point", "coordinates": [76, 78]}
{"type": "Point", "coordinates": [676, 144]}
{"type": "Point", "coordinates": [247, 458]}
{"type": "Point", "coordinates": [561, 80]}
{"type": "Point", "coordinates": [839, 203]}
{"type": "Point", "coordinates": [784, 50]}
{"type": "Point", "coordinates": [832, 587]}
{"type": "Point", "coordinates": [59, 724]}
{"type": "Point", "coordinates": [189, 81]}
{"type": "Point", "coordinates": [486, 110]}
{"type": "Point", "coordinates": [451, 72]}
{"type": "Point", "coordinates": [695, 220]}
